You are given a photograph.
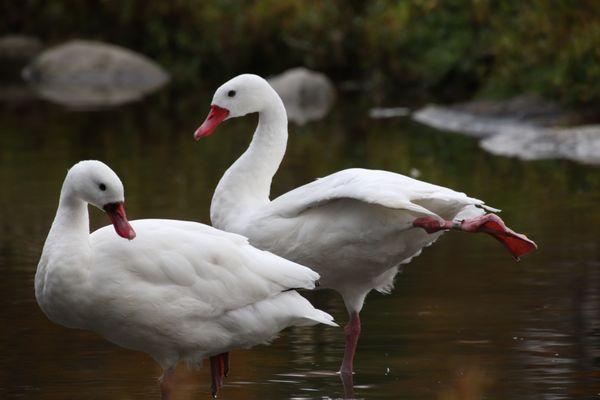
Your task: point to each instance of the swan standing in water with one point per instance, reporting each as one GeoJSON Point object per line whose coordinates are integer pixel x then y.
{"type": "Point", "coordinates": [354, 227]}
{"type": "Point", "coordinates": [181, 291]}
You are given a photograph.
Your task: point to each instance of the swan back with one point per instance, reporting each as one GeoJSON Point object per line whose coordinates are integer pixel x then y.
{"type": "Point", "coordinates": [184, 290]}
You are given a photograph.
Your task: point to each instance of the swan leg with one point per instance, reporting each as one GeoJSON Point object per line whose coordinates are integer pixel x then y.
{"type": "Point", "coordinates": [225, 357]}
{"type": "Point", "coordinates": [216, 371]}
{"type": "Point", "coordinates": [348, 384]}
{"type": "Point", "coordinates": [516, 243]}
{"type": "Point", "coordinates": [352, 332]}
{"type": "Point", "coordinates": [219, 368]}
{"type": "Point", "coordinates": [166, 383]}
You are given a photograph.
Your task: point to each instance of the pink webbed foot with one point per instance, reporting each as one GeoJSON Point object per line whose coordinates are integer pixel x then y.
{"type": "Point", "coordinates": [516, 243]}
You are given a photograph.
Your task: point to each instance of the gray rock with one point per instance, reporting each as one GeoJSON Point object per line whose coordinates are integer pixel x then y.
{"type": "Point", "coordinates": [19, 47]}
{"type": "Point", "coordinates": [527, 108]}
{"type": "Point", "coordinates": [307, 95]}
{"type": "Point", "coordinates": [467, 123]}
{"type": "Point", "coordinates": [483, 118]}
{"type": "Point", "coordinates": [525, 127]}
{"type": "Point", "coordinates": [389, 112]}
{"type": "Point", "coordinates": [580, 143]}
{"type": "Point", "coordinates": [87, 74]}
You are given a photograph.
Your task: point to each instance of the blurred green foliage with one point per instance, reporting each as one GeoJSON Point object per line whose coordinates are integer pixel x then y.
{"type": "Point", "coordinates": [455, 48]}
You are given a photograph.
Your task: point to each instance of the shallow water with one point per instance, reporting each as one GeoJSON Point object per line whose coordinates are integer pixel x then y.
{"type": "Point", "coordinates": [464, 322]}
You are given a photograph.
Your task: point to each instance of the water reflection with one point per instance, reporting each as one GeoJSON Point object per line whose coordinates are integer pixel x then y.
{"type": "Point", "coordinates": [463, 322]}
{"type": "Point", "coordinates": [90, 97]}
{"type": "Point", "coordinates": [562, 344]}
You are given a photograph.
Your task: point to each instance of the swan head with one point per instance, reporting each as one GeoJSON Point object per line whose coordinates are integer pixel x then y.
{"type": "Point", "coordinates": [95, 183]}
{"type": "Point", "coordinates": [242, 95]}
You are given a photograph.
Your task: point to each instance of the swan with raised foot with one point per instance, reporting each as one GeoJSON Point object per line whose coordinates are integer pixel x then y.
{"type": "Point", "coordinates": [354, 227]}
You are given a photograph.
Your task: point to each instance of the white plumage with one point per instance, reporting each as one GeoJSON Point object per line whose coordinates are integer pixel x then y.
{"type": "Point", "coordinates": [180, 291]}
{"type": "Point", "coordinates": [202, 290]}
{"type": "Point", "coordinates": [354, 227]}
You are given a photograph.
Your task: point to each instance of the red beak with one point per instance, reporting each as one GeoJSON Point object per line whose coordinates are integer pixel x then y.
{"type": "Point", "coordinates": [215, 117]}
{"type": "Point", "coordinates": [116, 213]}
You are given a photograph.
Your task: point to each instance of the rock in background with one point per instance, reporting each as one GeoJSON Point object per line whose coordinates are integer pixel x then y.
{"type": "Point", "coordinates": [526, 127]}
{"type": "Point", "coordinates": [307, 95]}
{"type": "Point", "coordinates": [580, 143]}
{"type": "Point", "coordinates": [88, 74]}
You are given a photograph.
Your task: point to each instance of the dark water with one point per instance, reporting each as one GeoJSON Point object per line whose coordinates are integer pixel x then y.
{"type": "Point", "coordinates": [464, 322]}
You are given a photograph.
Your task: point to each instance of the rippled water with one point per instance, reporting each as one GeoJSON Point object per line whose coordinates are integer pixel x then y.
{"type": "Point", "coordinates": [464, 322]}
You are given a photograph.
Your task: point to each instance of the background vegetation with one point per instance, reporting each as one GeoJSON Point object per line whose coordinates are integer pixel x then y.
{"type": "Point", "coordinates": [454, 48]}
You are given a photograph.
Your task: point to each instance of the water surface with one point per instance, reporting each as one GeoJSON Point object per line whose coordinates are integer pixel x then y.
{"type": "Point", "coordinates": [464, 322]}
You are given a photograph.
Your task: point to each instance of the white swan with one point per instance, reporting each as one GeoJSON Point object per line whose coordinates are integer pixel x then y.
{"type": "Point", "coordinates": [354, 227]}
{"type": "Point", "coordinates": [181, 291]}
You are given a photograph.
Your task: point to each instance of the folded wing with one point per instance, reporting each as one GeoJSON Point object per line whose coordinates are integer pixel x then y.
{"type": "Point", "coordinates": [193, 266]}
{"type": "Point", "coordinates": [383, 188]}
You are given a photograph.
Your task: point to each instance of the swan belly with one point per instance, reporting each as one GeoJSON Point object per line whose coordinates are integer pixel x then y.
{"type": "Point", "coordinates": [174, 333]}
{"type": "Point", "coordinates": [261, 322]}
{"type": "Point", "coordinates": [347, 242]}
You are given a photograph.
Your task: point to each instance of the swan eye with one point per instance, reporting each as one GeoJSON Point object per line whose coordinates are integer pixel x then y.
{"type": "Point", "coordinates": [102, 187]}
{"type": "Point", "coordinates": [231, 93]}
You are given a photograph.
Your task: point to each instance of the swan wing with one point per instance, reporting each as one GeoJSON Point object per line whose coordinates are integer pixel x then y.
{"type": "Point", "coordinates": [383, 188]}
{"type": "Point", "coordinates": [191, 265]}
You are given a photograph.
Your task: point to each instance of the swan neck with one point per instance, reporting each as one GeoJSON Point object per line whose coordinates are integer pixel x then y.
{"type": "Point", "coordinates": [63, 270]}
{"type": "Point", "coordinates": [73, 216]}
{"type": "Point", "coordinates": [70, 229]}
{"type": "Point", "coordinates": [246, 185]}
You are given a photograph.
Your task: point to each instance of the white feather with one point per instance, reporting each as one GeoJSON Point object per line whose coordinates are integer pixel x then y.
{"type": "Point", "coordinates": [353, 227]}
{"type": "Point", "coordinates": [179, 291]}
